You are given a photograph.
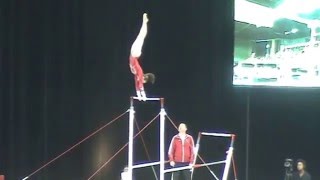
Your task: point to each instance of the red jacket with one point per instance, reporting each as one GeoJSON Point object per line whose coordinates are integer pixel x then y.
{"type": "Point", "coordinates": [181, 150]}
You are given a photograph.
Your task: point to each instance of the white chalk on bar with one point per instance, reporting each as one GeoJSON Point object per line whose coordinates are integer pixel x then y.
{"type": "Point", "coordinates": [177, 169]}
{"type": "Point", "coordinates": [147, 99]}
{"type": "Point", "coordinates": [209, 164]}
{"type": "Point", "coordinates": [217, 134]}
{"type": "Point", "coordinates": [144, 165]}
{"type": "Point", "coordinates": [196, 166]}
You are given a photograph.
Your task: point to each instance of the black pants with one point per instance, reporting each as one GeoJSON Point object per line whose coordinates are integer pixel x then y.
{"type": "Point", "coordinates": [183, 174]}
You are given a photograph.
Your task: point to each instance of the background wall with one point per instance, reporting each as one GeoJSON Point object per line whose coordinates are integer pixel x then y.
{"type": "Point", "coordinates": [64, 72]}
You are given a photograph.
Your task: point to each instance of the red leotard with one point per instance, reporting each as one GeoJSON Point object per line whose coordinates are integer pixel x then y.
{"type": "Point", "coordinates": [137, 71]}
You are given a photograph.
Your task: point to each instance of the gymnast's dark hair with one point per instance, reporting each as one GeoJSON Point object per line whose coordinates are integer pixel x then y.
{"type": "Point", "coordinates": [303, 162]}
{"type": "Point", "coordinates": [150, 78]}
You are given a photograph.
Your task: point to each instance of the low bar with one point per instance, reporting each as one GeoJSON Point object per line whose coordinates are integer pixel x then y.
{"type": "Point", "coordinates": [145, 165]}
{"type": "Point", "coordinates": [147, 99]}
{"type": "Point", "coordinates": [209, 164]}
{"type": "Point", "coordinates": [217, 134]}
{"type": "Point", "coordinates": [177, 169]}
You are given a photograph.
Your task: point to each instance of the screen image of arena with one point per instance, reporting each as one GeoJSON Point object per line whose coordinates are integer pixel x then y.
{"type": "Point", "coordinates": [277, 43]}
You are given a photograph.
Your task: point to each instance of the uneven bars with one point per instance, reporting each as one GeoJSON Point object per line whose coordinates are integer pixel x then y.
{"type": "Point", "coordinates": [147, 99]}
{"type": "Point", "coordinates": [145, 165]}
{"type": "Point", "coordinates": [217, 134]}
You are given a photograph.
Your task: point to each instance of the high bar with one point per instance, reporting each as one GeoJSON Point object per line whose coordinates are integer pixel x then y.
{"type": "Point", "coordinates": [144, 165]}
{"type": "Point", "coordinates": [217, 134]}
{"type": "Point", "coordinates": [147, 99]}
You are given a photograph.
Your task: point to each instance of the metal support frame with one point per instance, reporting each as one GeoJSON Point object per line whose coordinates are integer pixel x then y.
{"type": "Point", "coordinates": [131, 165]}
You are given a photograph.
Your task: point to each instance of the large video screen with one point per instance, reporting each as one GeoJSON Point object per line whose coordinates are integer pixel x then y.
{"type": "Point", "coordinates": [277, 43]}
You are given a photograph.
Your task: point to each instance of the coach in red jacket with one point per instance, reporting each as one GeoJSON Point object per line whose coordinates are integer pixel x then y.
{"type": "Point", "coordinates": [181, 152]}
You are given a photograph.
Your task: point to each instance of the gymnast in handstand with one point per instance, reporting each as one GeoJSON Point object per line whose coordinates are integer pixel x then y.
{"type": "Point", "coordinates": [139, 77]}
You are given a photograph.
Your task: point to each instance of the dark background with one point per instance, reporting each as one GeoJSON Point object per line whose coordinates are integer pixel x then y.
{"type": "Point", "coordinates": [64, 72]}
